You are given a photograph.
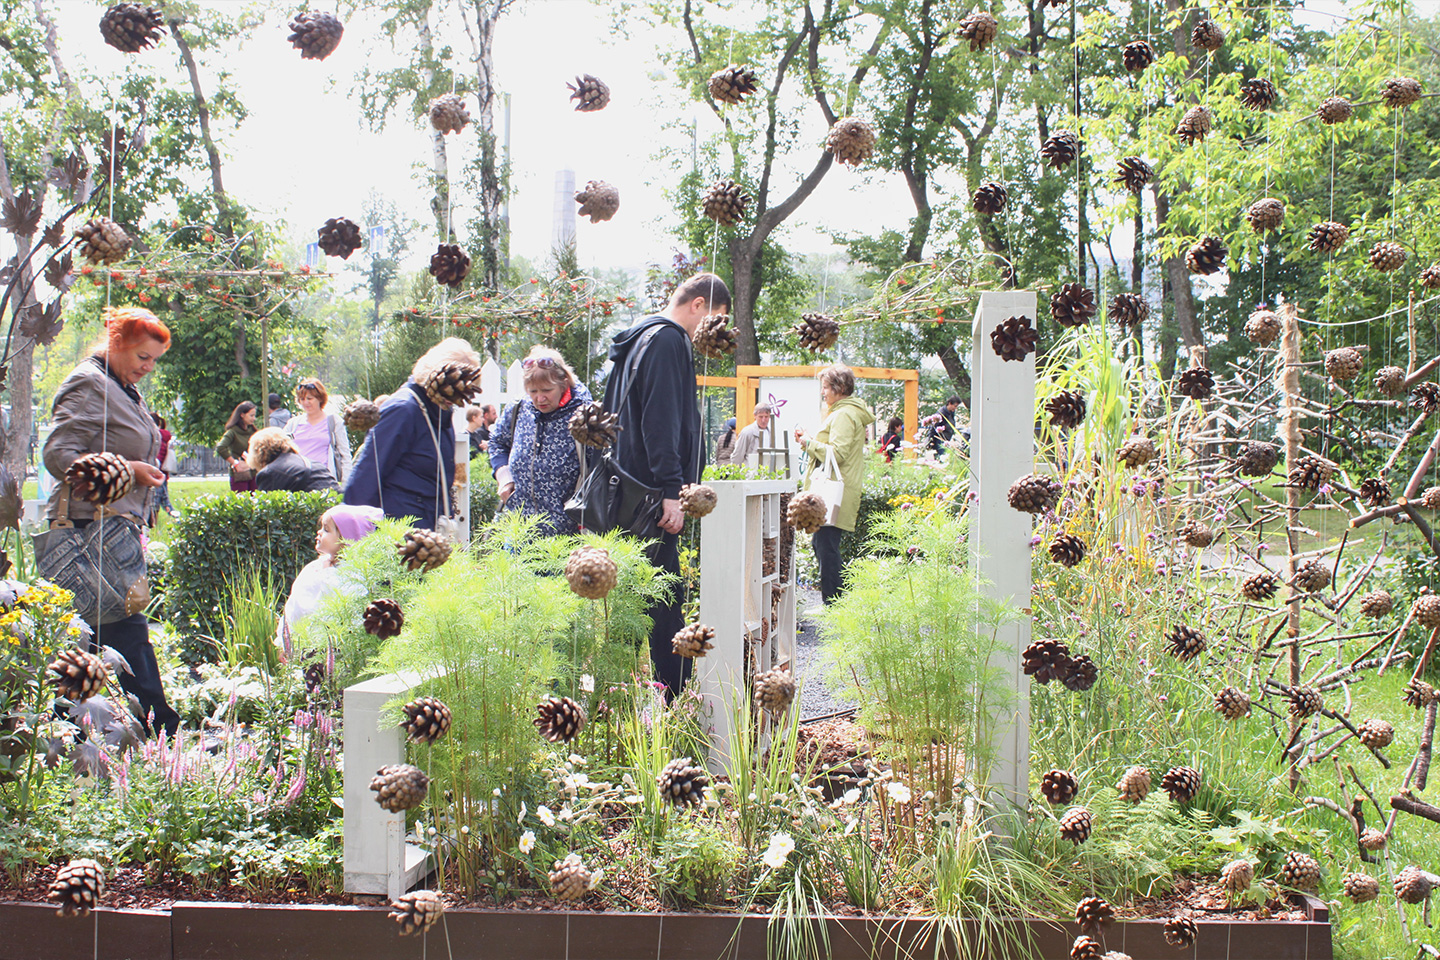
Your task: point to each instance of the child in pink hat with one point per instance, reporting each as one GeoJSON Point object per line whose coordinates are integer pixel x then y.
{"type": "Point", "coordinates": [321, 577]}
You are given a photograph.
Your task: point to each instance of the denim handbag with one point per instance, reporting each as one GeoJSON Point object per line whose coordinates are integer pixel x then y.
{"type": "Point", "coordinates": [103, 563]}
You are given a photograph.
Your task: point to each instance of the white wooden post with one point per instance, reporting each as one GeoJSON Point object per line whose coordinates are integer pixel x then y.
{"type": "Point", "coordinates": [1002, 449]}
{"type": "Point", "coordinates": [377, 858]}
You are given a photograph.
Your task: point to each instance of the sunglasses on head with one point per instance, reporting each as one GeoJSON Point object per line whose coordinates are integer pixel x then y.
{"type": "Point", "coordinates": [542, 362]}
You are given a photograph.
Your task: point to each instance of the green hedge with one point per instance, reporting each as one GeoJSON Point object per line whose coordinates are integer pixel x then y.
{"type": "Point", "coordinates": [218, 538]}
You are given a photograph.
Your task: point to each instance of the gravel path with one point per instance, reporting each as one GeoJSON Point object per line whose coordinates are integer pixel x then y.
{"type": "Point", "coordinates": [816, 699]}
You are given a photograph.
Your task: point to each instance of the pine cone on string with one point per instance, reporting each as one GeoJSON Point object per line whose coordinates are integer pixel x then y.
{"type": "Point", "coordinates": [1260, 587]}
{"type": "Point", "coordinates": [1304, 702]}
{"type": "Point", "coordinates": [1372, 840]}
{"type": "Point", "coordinates": [817, 332]}
{"type": "Point", "coordinates": [1328, 236]}
{"type": "Point", "coordinates": [1426, 397]}
{"type": "Point", "coordinates": [1075, 826]}
{"type": "Point", "coordinates": [1137, 55]}
{"type": "Point", "coordinates": [1232, 703]}
{"type": "Point", "coordinates": [1186, 643]}
{"type": "Point", "coordinates": [571, 879]}
{"type": "Point", "coordinates": [1333, 110]}
{"type": "Point", "coordinates": [1376, 734]}
{"type": "Point", "coordinates": [591, 573]}
{"type": "Point", "coordinates": [1045, 659]}
{"type": "Point", "coordinates": [423, 549]}
{"type": "Point", "coordinates": [1360, 887]}
{"type": "Point", "coordinates": [1128, 310]}
{"type": "Point", "coordinates": [1313, 577]}
{"type": "Point", "coordinates": [1207, 256]}
{"type": "Point", "coordinates": [1258, 94]}
{"type": "Point", "coordinates": [1066, 409]}
{"type": "Point", "coordinates": [449, 265]}
{"type": "Point", "coordinates": [990, 198]}
{"type": "Point", "coordinates": [314, 677]}
{"type": "Point", "coordinates": [100, 478]}
{"type": "Point", "coordinates": [1266, 214]}
{"type": "Point", "coordinates": [360, 415]}
{"type": "Point", "coordinates": [1195, 126]}
{"type": "Point", "coordinates": [774, 691]}
{"type": "Point", "coordinates": [1072, 305]}
{"type": "Point", "coordinates": [979, 28]}
{"type": "Point", "coordinates": [851, 141]}
{"type": "Point", "coordinates": [1258, 459]}
{"type": "Point", "coordinates": [1412, 886]}
{"type": "Point", "coordinates": [340, 237]}
{"type": "Point", "coordinates": [315, 34]}
{"type": "Point", "coordinates": [1014, 338]}
{"type": "Point", "coordinates": [427, 719]}
{"type": "Point", "coordinates": [714, 338]}
{"type": "Point", "coordinates": [1263, 328]}
{"type": "Point", "coordinates": [559, 719]}
{"type": "Point", "coordinates": [416, 911]}
{"type": "Point", "coordinates": [453, 383]}
{"type": "Point", "coordinates": [725, 202]}
{"type": "Point", "coordinates": [693, 640]}
{"type": "Point", "coordinates": [593, 427]}
{"type": "Point", "coordinates": [598, 201]}
{"type": "Point", "coordinates": [1067, 550]}
{"type": "Point", "coordinates": [79, 674]}
{"type": "Point", "coordinates": [1086, 948]}
{"type": "Point", "coordinates": [1059, 786]}
{"type": "Point", "coordinates": [1197, 383]}
{"type": "Point", "coordinates": [1034, 493]}
{"type": "Point", "coordinates": [1181, 783]}
{"type": "Point", "coordinates": [1377, 604]}
{"type": "Point", "coordinates": [1390, 381]}
{"type": "Point", "coordinates": [1133, 173]}
{"type": "Point", "coordinates": [1136, 452]}
{"type": "Point", "coordinates": [1419, 694]}
{"type": "Point", "coordinates": [1134, 784]}
{"type": "Point", "coordinates": [78, 887]}
{"type": "Point", "coordinates": [732, 84]}
{"type": "Point", "coordinates": [1207, 35]}
{"type": "Point", "coordinates": [102, 240]}
{"type": "Point", "coordinates": [1180, 931]}
{"type": "Point", "coordinates": [806, 512]}
{"type": "Point", "coordinates": [1080, 674]}
{"type": "Point", "coordinates": [131, 27]}
{"type": "Point", "coordinates": [1386, 256]}
{"type": "Point", "coordinates": [1092, 913]}
{"type": "Point", "coordinates": [683, 783]}
{"type": "Point", "coordinates": [697, 499]}
{"type": "Point", "coordinates": [1060, 150]}
{"type": "Point", "coordinates": [589, 93]}
{"type": "Point", "coordinates": [1237, 876]}
{"type": "Point", "coordinates": [1430, 277]}
{"type": "Point", "coordinates": [383, 618]}
{"type": "Point", "coordinates": [1311, 473]}
{"type": "Point", "coordinates": [1197, 534]}
{"type": "Point", "coordinates": [1344, 363]}
{"type": "Point", "coordinates": [1401, 92]}
{"type": "Point", "coordinates": [1430, 499]}
{"type": "Point", "coordinates": [448, 113]}
{"type": "Point", "coordinates": [399, 787]}
{"type": "Point", "coordinates": [1301, 871]}
{"type": "Point", "coordinates": [1426, 610]}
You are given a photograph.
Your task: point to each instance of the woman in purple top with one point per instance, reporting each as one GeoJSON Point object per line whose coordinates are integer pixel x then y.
{"type": "Point", "coordinates": [320, 436]}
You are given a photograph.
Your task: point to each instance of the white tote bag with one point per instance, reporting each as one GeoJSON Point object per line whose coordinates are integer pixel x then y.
{"type": "Point", "coordinates": [828, 485]}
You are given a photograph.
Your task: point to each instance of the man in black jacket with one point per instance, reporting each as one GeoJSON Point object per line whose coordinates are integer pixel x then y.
{"type": "Point", "coordinates": [660, 442]}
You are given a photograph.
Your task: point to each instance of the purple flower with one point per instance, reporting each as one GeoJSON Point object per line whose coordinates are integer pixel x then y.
{"type": "Point", "coordinates": [297, 787]}
{"type": "Point", "coordinates": [1035, 540]}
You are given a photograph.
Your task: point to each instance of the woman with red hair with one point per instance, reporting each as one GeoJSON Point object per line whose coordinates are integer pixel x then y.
{"type": "Point", "coordinates": [97, 409]}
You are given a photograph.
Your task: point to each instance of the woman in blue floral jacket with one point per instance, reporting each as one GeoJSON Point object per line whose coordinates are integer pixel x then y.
{"type": "Point", "coordinates": [532, 453]}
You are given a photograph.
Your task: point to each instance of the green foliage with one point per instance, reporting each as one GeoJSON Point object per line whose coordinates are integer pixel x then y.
{"type": "Point", "coordinates": [252, 602]}
{"type": "Point", "coordinates": [694, 863]}
{"type": "Point", "coordinates": [887, 487]}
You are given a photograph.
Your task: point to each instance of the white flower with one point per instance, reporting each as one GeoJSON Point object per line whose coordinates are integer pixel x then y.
{"type": "Point", "coordinates": [576, 759]}
{"type": "Point", "coordinates": [521, 819]}
{"type": "Point", "coordinates": [852, 795]}
{"type": "Point", "coordinates": [546, 817]}
{"type": "Point", "coordinates": [527, 841]}
{"type": "Point", "coordinates": [496, 791]}
{"type": "Point", "coordinates": [898, 792]}
{"type": "Point", "coordinates": [587, 683]}
{"type": "Point", "coordinates": [781, 846]}
{"type": "Point", "coordinates": [566, 814]}
{"type": "Point", "coordinates": [596, 876]}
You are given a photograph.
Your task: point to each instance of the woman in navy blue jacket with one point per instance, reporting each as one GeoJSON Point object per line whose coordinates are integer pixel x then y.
{"type": "Point", "coordinates": [407, 463]}
{"type": "Point", "coordinates": [532, 453]}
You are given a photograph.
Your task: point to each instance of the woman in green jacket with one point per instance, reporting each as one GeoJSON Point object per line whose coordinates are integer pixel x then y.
{"type": "Point", "coordinates": [233, 446]}
{"type": "Point", "coordinates": [843, 434]}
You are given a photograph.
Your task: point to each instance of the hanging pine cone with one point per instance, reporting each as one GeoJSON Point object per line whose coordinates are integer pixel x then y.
{"type": "Point", "coordinates": [1310, 473]}
{"type": "Point", "coordinates": [1419, 694]}
{"type": "Point", "coordinates": [714, 338]}
{"type": "Point", "coordinates": [1066, 409]}
{"type": "Point", "coordinates": [1413, 886]}
{"type": "Point", "coordinates": [1375, 491]}
{"type": "Point", "coordinates": [1372, 840]}
{"type": "Point", "coordinates": [1197, 383]}
{"type": "Point", "coordinates": [693, 640]}
{"type": "Point", "coordinates": [449, 265]}
{"type": "Point", "coordinates": [1059, 786]}
{"type": "Point", "coordinates": [593, 427]}
{"type": "Point", "coordinates": [1266, 214]}
{"type": "Point", "coordinates": [1232, 703]}
{"type": "Point", "coordinates": [1075, 826]}
{"type": "Point", "coordinates": [990, 198]}
{"type": "Point", "coordinates": [1263, 328]}
{"type": "Point", "coordinates": [683, 783]}
{"type": "Point", "coordinates": [1426, 610]}
{"type": "Point", "coordinates": [571, 879]}
{"type": "Point", "coordinates": [427, 719]}
{"type": "Point", "coordinates": [416, 911]}
{"type": "Point", "coordinates": [979, 28]}
{"type": "Point", "coordinates": [1197, 534]}
{"type": "Point", "coordinates": [598, 201]}
{"type": "Point", "coordinates": [817, 332]}
{"type": "Point", "coordinates": [1401, 91]}
{"type": "Point", "coordinates": [1034, 493]}
{"type": "Point", "coordinates": [1375, 733]}
{"type": "Point", "coordinates": [1430, 499]}
{"type": "Point", "coordinates": [1136, 452]}
{"type": "Point", "coordinates": [1133, 173]}
{"type": "Point", "coordinates": [1137, 55]}
{"type": "Point", "coordinates": [1180, 931]}
{"type": "Point", "coordinates": [1313, 577]}
{"type": "Point", "coordinates": [1237, 876]}
{"type": "Point", "coordinates": [315, 34]}
{"type": "Point", "coordinates": [1207, 35]}
{"type": "Point", "coordinates": [1060, 150]}
{"type": "Point", "coordinates": [1014, 338]}
{"type": "Point", "coordinates": [1304, 702]}
{"type": "Point", "coordinates": [384, 618]}
{"type": "Point", "coordinates": [78, 887]}
{"type": "Point", "coordinates": [697, 499]}
{"type": "Point", "coordinates": [1128, 310]}
{"type": "Point", "coordinates": [1426, 397]}
{"type": "Point", "coordinates": [79, 674]}
{"type": "Point", "coordinates": [1067, 550]}
{"type": "Point", "coordinates": [591, 572]}
{"type": "Point", "coordinates": [360, 415]}
{"type": "Point", "coordinates": [1181, 783]}
{"type": "Point", "coordinates": [1080, 674]}
{"type": "Point", "coordinates": [1260, 586]}
{"type": "Point", "coordinates": [423, 549]}
{"type": "Point", "coordinates": [851, 141]}
{"type": "Point", "coordinates": [1045, 659]}
{"type": "Point", "coordinates": [100, 478]}
{"type": "Point", "coordinates": [807, 512]}
{"type": "Point", "coordinates": [1360, 887]}
{"type": "Point", "coordinates": [1377, 604]}
{"type": "Point", "coordinates": [1134, 784]}
{"type": "Point", "coordinates": [340, 237]}
{"type": "Point", "coordinates": [1430, 277]}
{"type": "Point", "coordinates": [1344, 363]}
{"type": "Point", "coordinates": [1334, 110]}
{"type": "Point", "coordinates": [131, 27]}
{"type": "Point", "coordinates": [102, 240]}
{"type": "Point", "coordinates": [1092, 913]}
{"type": "Point", "coordinates": [732, 84]}
{"type": "Point", "coordinates": [1072, 305]}
{"type": "Point", "coordinates": [399, 787]}
{"type": "Point", "coordinates": [725, 202]}
{"type": "Point", "coordinates": [314, 677]}
{"type": "Point", "coordinates": [774, 691]}
{"type": "Point", "coordinates": [1086, 948]}
{"type": "Point", "coordinates": [1186, 643]}
{"type": "Point", "coordinates": [589, 93]}
{"type": "Point", "coordinates": [1328, 236]}
{"type": "Point", "coordinates": [1207, 256]}
{"type": "Point", "coordinates": [559, 719]}
{"type": "Point", "coordinates": [1390, 381]}
{"type": "Point", "coordinates": [1258, 459]}
{"type": "Point", "coordinates": [1386, 256]}
{"type": "Point", "coordinates": [448, 113]}
{"type": "Point", "coordinates": [1258, 94]}
{"type": "Point", "coordinates": [1195, 126]}
{"type": "Point", "coordinates": [453, 383]}
{"type": "Point", "coordinates": [1301, 871]}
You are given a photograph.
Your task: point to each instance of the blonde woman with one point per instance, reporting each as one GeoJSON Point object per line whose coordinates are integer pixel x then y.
{"type": "Point", "coordinates": [279, 464]}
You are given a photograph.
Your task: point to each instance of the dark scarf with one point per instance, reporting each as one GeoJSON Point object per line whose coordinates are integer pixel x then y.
{"type": "Point", "coordinates": [130, 391]}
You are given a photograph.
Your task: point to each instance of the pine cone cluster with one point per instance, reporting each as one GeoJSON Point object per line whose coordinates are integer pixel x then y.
{"type": "Point", "coordinates": [1412, 886]}
{"type": "Point", "coordinates": [817, 332]}
{"type": "Point", "coordinates": [697, 499]}
{"type": "Point", "coordinates": [1059, 786]}
{"type": "Point", "coordinates": [851, 141]}
{"type": "Point", "coordinates": [1390, 381]}
{"type": "Point", "coordinates": [1066, 409]}
{"type": "Point", "coordinates": [423, 549]}
{"type": "Point", "coordinates": [360, 415]}
{"type": "Point", "coordinates": [1067, 549]}
{"type": "Point", "coordinates": [683, 783]}
{"type": "Point", "coordinates": [78, 887]}
{"type": "Point", "coordinates": [725, 202]}
{"type": "Point", "coordinates": [1372, 839]}
{"type": "Point", "coordinates": [693, 640]}
{"type": "Point", "coordinates": [1075, 826]}
{"type": "Point", "coordinates": [806, 512]}
{"type": "Point", "coordinates": [1060, 150]}
{"type": "Point", "coordinates": [1195, 125]}
{"type": "Point", "coordinates": [1258, 94]}
{"type": "Point", "coordinates": [1137, 55]}
{"type": "Point", "coordinates": [1360, 887]}
{"type": "Point", "coordinates": [1312, 577]}
{"type": "Point", "coordinates": [1237, 876]}
{"type": "Point", "coordinates": [714, 338]}
{"type": "Point", "coordinates": [591, 572]}
{"type": "Point", "coordinates": [1072, 305]}
{"type": "Point", "coordinates": [1034, 493]}
{"type": "Point", "coordinates": [1260, 587]}
{"type": "Point", "coordinates": [1426, 397]}
{"type": "Point", "coordinates": [593, 427]}
{"type": "Point", "coordinates": [571, 879]}
{"type": "Point", "coordinates": [1304, 702]}
{"type": "Point", "coordinates": [427, 719]}
{"type": "Point", "coordinates": [589, 93]}
{"type": "Point", "coordinates": [1327, 236]}
{"type": "Point", "coordinates": [1386, 256]}
{"type": "Point", "coordinates": [100, 478]}
{"type": "Point", "coordinates": [448, 113]}
{"type": "Point", "coordinates": [598, 201]}
{"type": "Point", "coordinates": [1344, 363]}
{"type": "Point", "coordinates": [131, 27]}
{"type": "Point", "coordinates": [1333, 110]}
{"type": "Point", "coordinates": [1419, 694]}
{"type": "Point", "coordinates": [774, 691]}
{"type": "Point", "coordinates": [1377, 604]}
{"type": "Point", "coordinates": [1207, 35]}
{"type": "Point", "coordinates": [79, 674]}
{"type": "Point", "coordinates": [990, 198]}
{"type": "Point", "coordinates": [1046, 659]}
{"type": "Point", "coordinates": [102, 240]}
{"type": "Point", "coordinates": [1197, 534]}
{"type": "Point", "coordinates": [315, 34]}
{"type": "Point", "coordinates": [1430, 499]}
{"type": "Point", "coordinates": [1128, 310]}
{"type": "Point", "coordinates": [980, 28]}
{"type": "Point", "coordinates": [1082, 674]}
{"type": "Point", "coordinates": [1426, 610]}
{"type": "Point", "coordinates": [1430, 277]}
{"type": "Point", "coordinates": [1137, 451]}
{"type": "Point", "coordinates": [1375, 491]}
{"type": "Point", "coordinates": [732, 84]}
{"type": "Point", "coordinates": [1258, 458]}
{"type": "Point", "coordinates": [1180, 931]}
{"type": "Point", "coordinates": [1133, 173]}
{"type": "Point", "coordinates": [1092, 913]}
{"type": "Point", "coordinates": [384, 618]}
{"type": "Point", "coordinates": [1401, 91]}
{"type": "Point", "coordinates": [1197, 383]}
{"type": "Point", "coordinates": [1014, 338]}
{"type": "Point", "coordinates": [1301, 871]}
{"type": "Point", "coordinates": [453, 383]}
{"type": "Point", "coordinates": [340, 237]}
{"type": "Point", "coordinates": [1207, 256]}
{"type": "Point", "coordinates": [559, 719]}
{"type": "Point", "coordinates": [1263, 327]}
{"type": "Point", "coordinates": [1232, 703]}
{"type": "Point", "coordinates": [416, 911]}
{"type": "Point", "coordinates": [1181, 783]}
{"type": "Point", "coordinates": [1087, 948]}
{"type": "Point", "coordinates": [449, 265]}
{"type": "Point", "coordinates": [399, 787]}
{"type": "Point", "coordinates": [1186, 643]}
{"type": "Point", "coordinates": [1311, 473]}
{"type": "Point", "coordinates": [1266, 214]}
{"type": "Point", "coordinates": [1376, 734]}
{"type": "Point", "coordinates": [1134, 784]}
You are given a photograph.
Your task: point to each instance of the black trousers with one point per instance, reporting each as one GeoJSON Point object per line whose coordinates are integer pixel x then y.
{"type": "Point", "coordinates": [131, 639]}
{"type": "Point", "coordinates": [827, 554]}
{"type": "Point", "coordinates": [671, 669]}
